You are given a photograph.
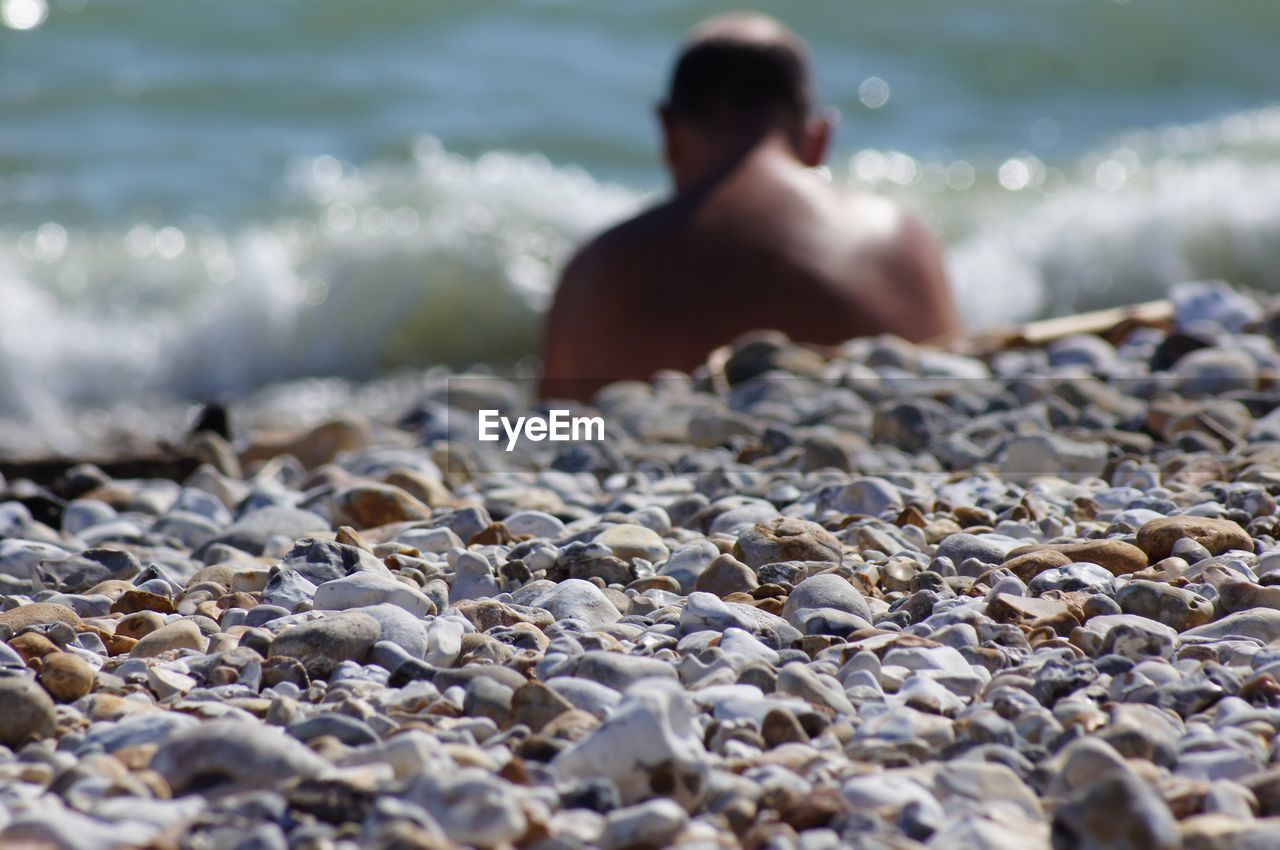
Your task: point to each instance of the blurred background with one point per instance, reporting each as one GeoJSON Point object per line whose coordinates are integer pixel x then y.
{"type": "Point", "coordinates": [197, 199]}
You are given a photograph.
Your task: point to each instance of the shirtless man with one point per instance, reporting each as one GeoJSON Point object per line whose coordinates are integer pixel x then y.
{"type": "Point", "coordinates": [752, 237]}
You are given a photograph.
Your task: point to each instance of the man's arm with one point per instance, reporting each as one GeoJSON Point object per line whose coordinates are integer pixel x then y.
{"type": "Point", "coordinates": [917, 268]}
{"type": "Point", "coordinates": [570, 319]}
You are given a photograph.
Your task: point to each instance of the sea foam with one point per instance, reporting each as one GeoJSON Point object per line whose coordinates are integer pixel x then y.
{"type": "Point", "coordinates": [360, 271]}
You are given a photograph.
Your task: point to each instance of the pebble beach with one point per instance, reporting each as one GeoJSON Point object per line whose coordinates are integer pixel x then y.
{"type": "Point", "coordinates": [885, 596]}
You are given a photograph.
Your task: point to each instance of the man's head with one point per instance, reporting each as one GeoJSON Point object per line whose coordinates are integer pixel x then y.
{"type": "Point", "coordinates": [739, 78]}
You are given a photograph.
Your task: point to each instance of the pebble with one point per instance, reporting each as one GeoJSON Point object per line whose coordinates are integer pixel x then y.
{"type": "Point", "coordinates": [1176, 607]}
{"type": "Point", "coordinates": [28, 712]}
{"type": "Point", "coordinates": [230, 756]}
{"type": "Point", "coordinates": [363, 588]}
{"type": "Point", "coordinates": [870, 496]}
{"type": "Point", "coordinates": [1117, 556]}
{"type": "Point", "coordinates": [646, 826]}
{"type": "Point", "coordinates": [786, 539]}
{"type": "Point", "coordinates": [38, 614]}
{"type": "Point", "coordinates": [724, 576]}
{"type": "Point", "coordinates": [1158, 537]}
{"type": "Point", "coordinates": [180, 634]}
{"type": "Point", "coordinates": [372, 505]}
{"type": "Point", "coordinates": [984, 548]}
{"type": "Point", "coordinates": [876, 597]}
{"type": "Point", "coordinates": [633, 541]}
{"type": "Point", "coordinates": [826, 591]}
{"type": "Point", "coordinates": [1117, 811]}
{"type": "Point", "coordinates": [253, 531]}
{"type": "Point", "coordinates": [321, 645]}
{"type": "Point", "coordinates": [575, 599]}
{"type": "Point", "coordinates": [66, 676]}
{"type": "Point", "coordinates": [1215, 372]}
{"type": "Point", "coordinates": [1260, 624]}
{"type": "Point", "coordinates": [649, 746]}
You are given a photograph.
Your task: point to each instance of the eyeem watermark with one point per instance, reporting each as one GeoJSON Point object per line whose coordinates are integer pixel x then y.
{"type": "Point", "coordinates": [557, 426]}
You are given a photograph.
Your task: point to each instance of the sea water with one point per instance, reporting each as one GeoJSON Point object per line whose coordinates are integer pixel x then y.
{"type": "Point", "coordinates": [198, 199]}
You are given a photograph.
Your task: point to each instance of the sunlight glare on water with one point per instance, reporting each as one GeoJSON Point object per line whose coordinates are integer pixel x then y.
{"type": "Point", "coordinates": [23, 14]}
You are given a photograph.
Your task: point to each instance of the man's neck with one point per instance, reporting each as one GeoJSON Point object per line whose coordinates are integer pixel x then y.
{"type": "Point", "coordinates": [718, 162]}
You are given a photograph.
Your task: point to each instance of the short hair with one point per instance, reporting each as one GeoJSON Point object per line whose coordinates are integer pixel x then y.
{"type": "Point", "coordinates": [726, 76]}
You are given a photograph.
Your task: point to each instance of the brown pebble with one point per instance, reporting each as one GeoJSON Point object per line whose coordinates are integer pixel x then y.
{"type": "Point", "coordinates": [1156, 538]}
{"type": "Point", "coordinates": [780, 726]}
{"type": "Point", "coordinates": [32, 646]}
{"type": "Point", "coordinates": [139, 625]}
{"type": "Point", "coordinates": [141, 600]}
{"type": "Point", "coordinates": [66, 676]}
{"type": "Point", "coordinates": [38, 614]}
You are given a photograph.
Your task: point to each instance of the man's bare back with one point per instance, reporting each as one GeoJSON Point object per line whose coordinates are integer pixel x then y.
{"type": "Point", "coordinates": [753, 238]}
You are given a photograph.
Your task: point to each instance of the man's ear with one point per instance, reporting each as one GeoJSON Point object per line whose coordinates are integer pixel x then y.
{"type": "Point", "coordinates": [818, 131]}
{"type": "Point", "coordinates": [670, 136]}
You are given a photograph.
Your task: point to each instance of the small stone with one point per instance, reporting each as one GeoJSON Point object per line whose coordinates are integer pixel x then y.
{"type": "Point", "coordinates": [321, 645]}
{"type": "Point", "coordinates": [318, 561]}
{"type": "Point", "coordinates": [371, 505]}
{"type": "Point", "coordinates": [960, 547]}
{"type": "Point", "coordinates": [27, 711]}
{"type": "Point", "coordinates": [1028, 562]}
{"type": "Point", "coordinates": [227, 756]}
{"type": "Point", "coordinates": [911, 424]}
{"type": "Point", "coordinates": [32, 646]}
{"type": "Point", "coordinates": [870, 496]}
{"type": "Point", "coordinates": [1215, 371]}
{"type": "Point", "coordinates": [486, 697]}
{"type": "Point", "coordinates": [618, 671]}
{"type": "Point", "coordinates": [1214, 301]}
{"type": "Point", "coordinates": [1127, 635]}
{"type": "Point", "coordinates": [92, 566]}
{"type": "Point", "coordinates": [397, 626]}
{"type": "Point", "coordinates": [1007, 608]}
{"type": "Point", "coordinates": [139, 625]}
{"type": "Point", "coordinates": [824, 691]}
{"type": "Point", "coordinates": [180, 634]}
{"type": "Point", "coordinates": [534, 524]}
{"type": "Point", "coordinates": [1175, 607]}
{"type": "Point", "coordinates": [1051, 454]}
{"type": "Point", "coordinates": [134, 601]}
{"type": "Point", "coordinates": [592, 697]}
{"type": "Point", "coordinates": [348, 730]}
{"type": "Point", "coordinates": [1234, 596]}
{"type": "Point", "coordinates": [1118, 557]}
{"type": "Point", "coordinates": [649, 747]}
{"type": "Point", "coordinates": [826, 590]}
{"type": "Point", "coordinates": [1071, 577]}
{"type": "Point", "coordinates": [726, 575]}
{"type": "Point", "coordinates": [535, 705]}
{"type": "Point", "coordinates": [364, 588]}
{"type": "Point", "coordinates": [1157, 538]}
{"type": "Point", "coordinates": [38, 614]}
{"type": "Point", "coordinates": [487, 614]}
{"type": "Point", "coordinates": [579, 600]}
{"type": "Point", "coordinates": [1261, 624]}
{"type": "Point", "coordinates": [647, 826]}
{"type": "Point", "coordinates": [704, 611]}
{"type": "Point", "coordinates": [780, 726]}
{"type": "Point", "coordinates": [252, 531]}
{"type": "Point", "coordinates": [66, 676]}
{"type": "Point", "coordinates": [633, 541]}
{"type": "Point", "coordinates": [1115, 812]}
{"type": "Point", "coordinates": [472, 807]}
{"type": "Point", "coordinates": [787, 539]}
{"type": "Point", "coordinates": [169, 683]}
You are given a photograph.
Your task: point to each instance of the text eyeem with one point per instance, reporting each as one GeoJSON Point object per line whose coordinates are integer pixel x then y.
{"type": "Point", "coordinates": [558, 426]}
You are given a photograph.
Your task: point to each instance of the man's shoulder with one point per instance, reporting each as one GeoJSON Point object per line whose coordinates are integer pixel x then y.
{"type": "Point", "coordinates": [875, 218]}
{"type": "Point", "coordinates": [619, 247]}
